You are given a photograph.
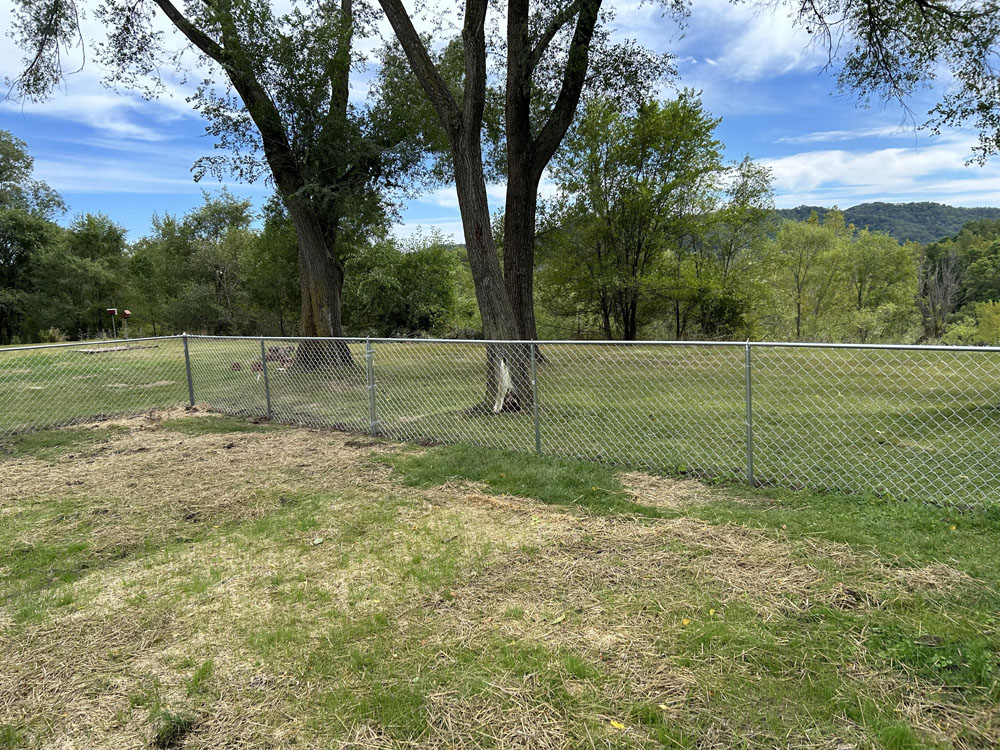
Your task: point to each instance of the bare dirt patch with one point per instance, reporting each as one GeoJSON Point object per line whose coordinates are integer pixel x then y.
{"type": "Point", "coordinates": [157, 384]}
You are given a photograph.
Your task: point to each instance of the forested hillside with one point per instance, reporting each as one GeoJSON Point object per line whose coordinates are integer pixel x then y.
{"type": "Point", "coordinates": [907, 222]}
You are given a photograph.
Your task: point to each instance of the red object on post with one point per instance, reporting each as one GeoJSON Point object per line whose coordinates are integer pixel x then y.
{"type": "Point", "coordinates": [126, 313]}
{"type": "Point", "coordinates": [112, 311]}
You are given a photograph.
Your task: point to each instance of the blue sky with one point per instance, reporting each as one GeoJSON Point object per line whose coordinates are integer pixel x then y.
{"type": "Point", "coordinates": [129, 158]}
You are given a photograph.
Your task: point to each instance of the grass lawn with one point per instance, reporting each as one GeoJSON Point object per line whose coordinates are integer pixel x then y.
{"type": "Point", "coordinates": [905, 425]}
{"type": "Point", "coordinates": [192, 580]}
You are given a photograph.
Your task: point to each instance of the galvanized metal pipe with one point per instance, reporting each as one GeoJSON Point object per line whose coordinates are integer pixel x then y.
{"type": "Point", "coordinates": [267, 383]}
{"type": "Point", "coordinates": [373, 426]}
{"type": "Point", "coordinates": [187, 366]}
{"type": "Point", "coordinates": [748, 388]}
{"type": "Point", "coordinates": [534, 398]}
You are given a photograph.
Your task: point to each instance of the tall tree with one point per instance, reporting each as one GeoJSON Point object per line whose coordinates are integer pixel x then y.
{"type": "Point", "coordinates": [27, 207]}
{"type": "Point", "coordinates": [548, 55]}
{"type": "Point", "coordinates": [283, 109]}
{"type": "Point", "coordinates": [938, 292]}
{"type": "Point", "coordinates": [812, 266]}
{"type": "Point", "coordinates": [79, 277]}
{"type": "Point", "coordinates": [268, 271]}
{"type": "Point", "coordinates": [461, 117]}
{"type": "Point", "coordinates": [634, 188]}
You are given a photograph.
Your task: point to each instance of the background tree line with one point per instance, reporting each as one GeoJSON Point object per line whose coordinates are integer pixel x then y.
{"type": "Point", "coordinates": [650, 235]}
{"type": "Point", "coordinates": [218, 269]}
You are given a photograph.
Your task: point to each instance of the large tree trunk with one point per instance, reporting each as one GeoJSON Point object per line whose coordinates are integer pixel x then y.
{"type": "Point", "coordinates": [519, 250]}
{"type": "Point", "coordinates": [491, 294]}
{"type": "Point", "coordinates": [529, 152]}
{"type": "Point", "coordinates": [321, 280]}
{"type": "Point", "coordinates": [463, 123]}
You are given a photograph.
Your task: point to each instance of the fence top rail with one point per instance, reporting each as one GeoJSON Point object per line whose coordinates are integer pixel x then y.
{"type": "Point", "coordinates": [602, 342]}
{"type": "Point", "coordinates": [93, 342]}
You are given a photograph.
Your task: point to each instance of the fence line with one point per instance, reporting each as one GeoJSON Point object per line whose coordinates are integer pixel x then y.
{"type": "Point", "coordinates": [908, 422]}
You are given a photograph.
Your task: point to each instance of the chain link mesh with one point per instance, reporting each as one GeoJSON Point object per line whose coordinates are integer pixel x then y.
{"type": "Point", "coordinates": [438, 392]}
{"type": "Point", "coordinates": [54, 386]}
{"type": "Point", "coordinates": [665, 408]}
{"type": "Point", "coordinates": [903, 423]}
{"type": "Point", "coordinates": [327, 387]}
{"type": "Point", "coordinates": [906, 423]}
{"type": "Point", "coordinates": [228, 375]}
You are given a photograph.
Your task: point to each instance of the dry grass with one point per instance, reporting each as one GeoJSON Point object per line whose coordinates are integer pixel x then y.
{"type": "Point", "coordinates": [662, 492]}
{"type": "Point", "coordinates": [454, 573]}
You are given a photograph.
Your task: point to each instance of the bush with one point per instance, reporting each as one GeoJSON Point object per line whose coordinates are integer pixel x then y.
{"type": "Point", "coordinates": [964, 332]}
{"type": "Point", "coordinates": [52, 336]}
{"type": "Point", "coordinates": [988, 321]}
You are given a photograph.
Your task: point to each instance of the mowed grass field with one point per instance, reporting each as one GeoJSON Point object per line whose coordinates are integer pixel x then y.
{"type": "Point", "coordinates": [905, 425]}
{"type": "Point", "coordinates": [190, 580]}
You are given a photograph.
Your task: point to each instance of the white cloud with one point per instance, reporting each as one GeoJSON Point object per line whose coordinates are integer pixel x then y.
{"type": "Point", "coordinates": [933, 172]}
{"type": "Point", "coordinates": [449, 227]}
{"type": "Point", "coordinates": [447, 197]}
{"type": "Point", "coordinates": [124, 175]}
{"type": "Point", "coordinates": [108, 113]}
{"type": "Point", "coordinates": [829, 136]}
{"type": "Point", "coordinates": [748, 43]}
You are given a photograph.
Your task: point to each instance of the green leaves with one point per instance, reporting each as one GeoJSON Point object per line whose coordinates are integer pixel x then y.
{"type": "Point", "coordinates": [651, 224]}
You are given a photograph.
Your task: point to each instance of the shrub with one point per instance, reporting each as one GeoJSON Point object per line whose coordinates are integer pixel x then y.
{"type": "Point", "coordinates": [52, 336]}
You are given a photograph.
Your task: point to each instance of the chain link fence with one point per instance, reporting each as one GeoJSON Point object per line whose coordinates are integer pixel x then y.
{"type": "Point", "coordinates": [910, 423]}
{"type": "Point", "coordinates": [61, 384]}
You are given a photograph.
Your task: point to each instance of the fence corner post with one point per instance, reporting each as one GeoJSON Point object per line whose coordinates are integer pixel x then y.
{"type": "Point", "coordinates": [748, 388]}
{"type": "Point", "coordinates": [534, 396]}
{"type": "Point", "coordinates": [267, 382]}
{"type": "Point", "coordinates": [373, 426]}
{"type": "Point", "coordinates": [187, 366]}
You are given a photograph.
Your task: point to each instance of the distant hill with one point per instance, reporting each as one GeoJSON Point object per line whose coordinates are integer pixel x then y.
{"type": "Point", "coordinates": [919, 222]}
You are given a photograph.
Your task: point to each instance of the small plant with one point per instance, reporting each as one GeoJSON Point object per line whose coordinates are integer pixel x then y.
{"type": "Point", "coordinates": [52, 336]}
{"type": "Point", "coordinates": [201, 675]}
{"type": "Point", "coordinates": [169, 729]}
{"type": "Point", "coordinates": [10, 737]}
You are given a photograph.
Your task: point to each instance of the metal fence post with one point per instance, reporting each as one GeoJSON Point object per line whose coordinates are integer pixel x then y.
{"type": "Point", "coordinates": [748, 387]}
{"type": "Point", "coordinates": [534, 396]}
{"type": "Point", "coordinates": [267, 382]}
{"type": "Point", "coordinates": [187, 366]}
{"type": "Point", "coordinates": [372, 408]}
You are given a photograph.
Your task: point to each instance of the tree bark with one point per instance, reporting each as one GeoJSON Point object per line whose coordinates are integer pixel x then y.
{"type": "Point", "coordinates": [529, 153]}
{"type": "Point", "coordinates": [463, 125]}
{"type": "Point", "coordinates": [321, 281]}
{"type": "Point", "coordinates": [519, 251]}
{"type": "Point", "coordinates": [320, 276]}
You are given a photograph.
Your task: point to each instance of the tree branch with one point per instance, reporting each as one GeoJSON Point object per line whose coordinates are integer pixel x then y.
{"type": "Point", "coordinates": [423, 67]}
{"type": "Point", "coordinates": [560, 19]}
{"type": "Point", "coordinates": [474, 90]}
{"type": "Point", "coordinates": [575, 75]}
{"type": "Point", "coordinates": [196, 36]}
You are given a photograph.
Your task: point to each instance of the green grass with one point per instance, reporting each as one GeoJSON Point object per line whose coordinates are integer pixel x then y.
{"type": "Point", "coordinates": [946, 636]}
{"type": "Point", "coordinates": [552, 480]}
{"type": "Point", "coordinates": [218, 426]}
{"type": "Point", "coordinates": [903, 425]}
{"type": "Point", "coordinates": [54, 443]}
{"type": "Point", "coordinates": [363, 593]}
